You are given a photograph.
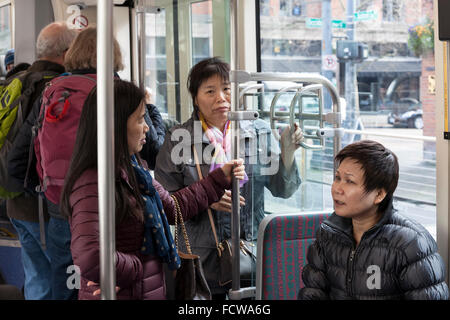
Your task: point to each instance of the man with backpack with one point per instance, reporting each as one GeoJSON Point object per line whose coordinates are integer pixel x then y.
{"type": "Point", "coordinates": [16, 101]}
{"type": "Point", "coordinates": [42, 151]}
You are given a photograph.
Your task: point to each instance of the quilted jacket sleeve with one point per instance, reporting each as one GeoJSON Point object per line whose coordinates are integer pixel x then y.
{"type": "Point", "coordinates": [85, 234]}
{"type": "Point", "coordinates": [195, 198]}
{"type": "Point", "coordinates": [313, 275]}
{"type": "Point", "coordinates": [423, 277]}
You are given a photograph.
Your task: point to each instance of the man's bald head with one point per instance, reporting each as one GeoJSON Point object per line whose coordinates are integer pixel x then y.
{"type": "Point", "coordinates": [54, 40]}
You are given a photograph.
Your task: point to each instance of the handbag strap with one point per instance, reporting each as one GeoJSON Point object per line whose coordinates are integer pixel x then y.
{"type": "Point", "coordinates": [211, 221]}
{"type": "Point", "coordinates": [183, 227]}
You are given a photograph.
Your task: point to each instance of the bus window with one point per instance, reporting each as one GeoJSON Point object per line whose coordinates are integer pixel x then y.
{"type": "Point", "coordinates": [156, 78]}
{"type": "Point", "coordinates": [5, 33]}
{"type": "Point", "coordinates": [201, 24]}
{"type": "Point", "coordinates": [386, 93]}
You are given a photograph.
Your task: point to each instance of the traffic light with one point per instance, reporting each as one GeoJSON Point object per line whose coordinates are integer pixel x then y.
{"type": "Point", "coordinates": [351, 50]}
{"type": "Point", "coordinates": [363, 51]}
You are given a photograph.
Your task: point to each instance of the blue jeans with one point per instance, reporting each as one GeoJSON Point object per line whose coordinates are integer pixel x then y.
{"type": "Point", "coordinates": [36, 262]}
{"type": "Point", "coordinates": [58, 249]}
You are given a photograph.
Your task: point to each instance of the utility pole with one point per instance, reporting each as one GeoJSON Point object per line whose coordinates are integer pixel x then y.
{"type": "Point", "coordinates": [350, 71]}
{"type": "Point", "coordinates": [327, 49]}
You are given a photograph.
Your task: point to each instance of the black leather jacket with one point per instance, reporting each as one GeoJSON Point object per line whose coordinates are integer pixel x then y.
{"type": "Point", "coordinates": [396, 259]}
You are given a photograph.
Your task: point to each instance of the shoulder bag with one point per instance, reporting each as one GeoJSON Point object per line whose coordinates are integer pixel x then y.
{"type": "Point", "coordinates": [190, 281]}
{"type": "Point", "coordinates": [225, 250]}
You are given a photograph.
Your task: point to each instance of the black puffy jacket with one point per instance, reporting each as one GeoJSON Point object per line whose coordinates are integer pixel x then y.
{"type": "Point", "coordinates": [395, 259]}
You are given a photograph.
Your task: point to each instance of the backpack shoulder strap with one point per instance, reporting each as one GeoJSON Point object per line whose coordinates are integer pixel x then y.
{"type": "Point", "coordinates": [19, 75]}
{"type": "Point", "coordinates": [32, 78]}
{"type": "Point", "coordinates": [83, 76]}
{"type": "Point", "coordinates": [67, 75]}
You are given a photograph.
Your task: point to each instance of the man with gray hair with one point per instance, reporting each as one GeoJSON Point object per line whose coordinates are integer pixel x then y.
{"type": "Point", "coordinates": [51, 46]}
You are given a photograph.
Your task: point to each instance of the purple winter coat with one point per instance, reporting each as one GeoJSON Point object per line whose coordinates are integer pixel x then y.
{"type": "Point", "coordinates": [139, 277]}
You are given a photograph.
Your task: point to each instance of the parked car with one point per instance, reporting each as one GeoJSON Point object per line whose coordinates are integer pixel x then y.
{"type": "Point", "coordinates": [409, 119]}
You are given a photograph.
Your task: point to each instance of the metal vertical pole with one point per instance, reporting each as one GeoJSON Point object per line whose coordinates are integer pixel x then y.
{"type": "Point", "coordinates": [446, 85]}
{"type": "Point", "coordinates": [142, 60]}
{"type": "Point", "coordinates": [235, 216]}
{"type": "Point", "coordinates": [327, 38]}
{"type": "Point", "coordinates": [350, 74]}
{"type": "Point", "coordinates": [105, 139]}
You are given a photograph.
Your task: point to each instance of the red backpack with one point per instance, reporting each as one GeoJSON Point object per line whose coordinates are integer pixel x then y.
{"type": "Point", "coordinates": [62, 103]}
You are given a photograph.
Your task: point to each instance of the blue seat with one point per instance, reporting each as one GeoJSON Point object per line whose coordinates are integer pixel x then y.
{"type": "Point", "coordinates": [10, 255]}
{"type": "Point", "coordinates": [283, 241]}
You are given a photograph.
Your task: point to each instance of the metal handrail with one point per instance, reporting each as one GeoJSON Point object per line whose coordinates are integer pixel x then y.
{"type": "Point", "coordinates": [105, 140]}
{"type": "Point", "coordinates": [244, 89]}
{"type": "Point", "coordinates": [275, 98]}
{"type": "Point", "coordinates": [140, 14]}
{"type": "Point", "coordinates": [235, 192]}
{"type": "Point", "coordinates": [318, 117]}
{"type": "Point", "coordinates": [310, 78]}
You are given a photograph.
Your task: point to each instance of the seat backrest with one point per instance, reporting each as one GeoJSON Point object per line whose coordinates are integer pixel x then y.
{"type": "Point", "coordinates": [283, 241]}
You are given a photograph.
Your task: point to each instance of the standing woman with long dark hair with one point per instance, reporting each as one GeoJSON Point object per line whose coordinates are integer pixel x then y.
{"type": "Point", "coordinates": [143, 238]}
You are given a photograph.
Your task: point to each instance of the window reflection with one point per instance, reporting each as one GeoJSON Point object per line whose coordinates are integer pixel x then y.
{"type": "Point", "coordinates": [201, 25]}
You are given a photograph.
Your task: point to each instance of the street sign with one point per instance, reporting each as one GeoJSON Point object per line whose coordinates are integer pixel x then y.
{"type": "Point", "coordinates": [313, 22]}
{"type": "Point", "coordinates": [329, 62]}
{"type": "Point", "coordinates": [317, 23]}
{"type": "Point", "coordinates": [80, 22]}
{"type": "Point", "coordinates": [338, 24]}
{"type": "Point", "coordinates": [366, 15]}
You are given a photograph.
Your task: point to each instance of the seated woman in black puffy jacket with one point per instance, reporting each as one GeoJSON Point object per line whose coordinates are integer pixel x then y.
{"type": "Point", "coordinates": [366, 250]}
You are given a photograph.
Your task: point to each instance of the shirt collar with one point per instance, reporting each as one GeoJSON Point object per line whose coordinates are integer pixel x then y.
{"type": "Point", "coordinates": [345, 224]}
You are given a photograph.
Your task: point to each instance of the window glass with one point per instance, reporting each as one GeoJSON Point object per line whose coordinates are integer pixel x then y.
{"type": "Point", "coordinates": [201, 25]}
{"type": "Point", "coordinates": [386, 85]}
{"type": "Point", "coordinates": [392, 10]}
{"type": "Point", "coordinates": [155, 71]}
{"type": "Point", "coordinates": [5, 28]}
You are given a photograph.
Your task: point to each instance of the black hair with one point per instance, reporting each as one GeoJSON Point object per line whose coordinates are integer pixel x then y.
{"type": "Point", "coordinates": [204, 70]}
{"type": "Point", "coordinates": [379, 164]}
{"type": "Point", "coordinates": [18, 68]}
{"type": "Point", "coordinates": [127, 98]}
